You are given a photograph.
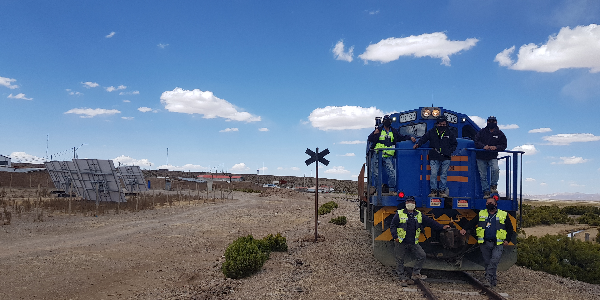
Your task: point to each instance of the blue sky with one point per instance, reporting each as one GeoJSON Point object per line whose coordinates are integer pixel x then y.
{"type": "Point", "coordinates": [238, 85]}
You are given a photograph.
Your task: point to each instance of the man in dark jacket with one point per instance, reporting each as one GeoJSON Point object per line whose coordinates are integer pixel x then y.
{"type": "Point", "coordinates": [491, 139]}
{"type": "Point", "coordinates": [406, 228]}
{"type": "Point", "coordinates": [442, 142]}
{"type": "Point", "coordinates": [386, 137]}
{"type": "Point", "coordinates": [494, 232]}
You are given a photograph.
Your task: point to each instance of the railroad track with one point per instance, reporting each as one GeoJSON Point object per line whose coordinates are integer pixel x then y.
{"type": "Point", "coordinates": [477, 289]}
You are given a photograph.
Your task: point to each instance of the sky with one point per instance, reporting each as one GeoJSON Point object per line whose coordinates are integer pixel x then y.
{"type": "Point", "coordinates": [247, 86]}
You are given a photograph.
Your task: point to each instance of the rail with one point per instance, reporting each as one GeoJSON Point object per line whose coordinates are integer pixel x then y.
{"type": "Point", "coordinates": [486, 291]}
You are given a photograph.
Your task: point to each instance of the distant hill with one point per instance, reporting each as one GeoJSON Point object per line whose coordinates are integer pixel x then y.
{"type": "Point", "coordinates": [565, 196]}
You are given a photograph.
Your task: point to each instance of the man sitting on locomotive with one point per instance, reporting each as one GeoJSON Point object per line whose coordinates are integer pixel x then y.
{"type": "Point", "coordinates": [494, 231]}
{"type": "Point", "coordinates": [491, 139]}
{"type": "Point", "coordinates": [406, 228]}
{"type": "Point", "coordinates": [387, 137]}
{"type": "Point", "coordinates": [442, 142]}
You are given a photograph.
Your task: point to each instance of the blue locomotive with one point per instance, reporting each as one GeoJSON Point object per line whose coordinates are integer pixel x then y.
{"type": "Point", "coordinates": [447, 250]}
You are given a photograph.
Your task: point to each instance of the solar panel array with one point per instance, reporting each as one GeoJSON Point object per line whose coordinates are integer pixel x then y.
{"type": "Point", "coordinates": [95, 179]}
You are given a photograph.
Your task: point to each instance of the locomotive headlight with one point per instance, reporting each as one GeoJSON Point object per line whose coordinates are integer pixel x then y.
{"type": "Point", "coordinates": [435, 113]}
{"type": "Point", "coordinates": [394, 119]}
{"type": "Point", "coordinates": [426, 113]}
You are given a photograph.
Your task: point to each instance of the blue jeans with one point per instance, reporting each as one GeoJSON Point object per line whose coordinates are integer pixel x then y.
{"type": "Point", "coordinates": [388, 165]}
{"type": "Point", "coordinates": [436, 165]}
{"type": "Point", "coordinates": [482, 166]}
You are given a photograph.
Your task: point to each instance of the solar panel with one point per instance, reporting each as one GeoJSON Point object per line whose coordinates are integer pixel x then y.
{"type": "Point", "coordinates": [133, 179]}
{"type": "Point", "coordinates": [61, 176]}
{"type": "Point", "coordinates": [98, 180]}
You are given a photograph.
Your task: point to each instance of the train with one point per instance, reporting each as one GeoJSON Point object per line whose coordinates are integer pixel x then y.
{"type": "Point", "coordinates": [446, 250]}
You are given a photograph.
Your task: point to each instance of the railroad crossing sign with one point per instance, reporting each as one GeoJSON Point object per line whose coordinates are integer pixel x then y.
{"type": "Point", "coordinates": [315, 156]}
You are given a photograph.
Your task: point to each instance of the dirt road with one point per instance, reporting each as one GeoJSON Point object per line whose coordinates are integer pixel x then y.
{"type": "Point", "coordinates": [176, 253]}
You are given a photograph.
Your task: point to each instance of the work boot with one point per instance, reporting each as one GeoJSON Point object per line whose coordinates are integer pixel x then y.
{"type": "Point", "coordinates": [494, 189]}
{"type": "Point", "coordinates": [444, 193]}
{"type": "Point", "coordinates": [486, 194]}
{"type": "Point", "coordinates": [486, 283]}
{"type": "Point", "coordinates": [418, 276]}
{"type": "Point", "coordinates": [404, 282]}
{"type": "Point", "coordinates": [433, 193]}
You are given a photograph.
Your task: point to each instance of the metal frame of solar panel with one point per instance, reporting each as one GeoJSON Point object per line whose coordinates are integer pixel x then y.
{"type": "Point", "coordinates": [60, 175]}
{"type": "Point", "coordinates": [98, 180]}
{"type": "Point", "coordinates": [133, 179]}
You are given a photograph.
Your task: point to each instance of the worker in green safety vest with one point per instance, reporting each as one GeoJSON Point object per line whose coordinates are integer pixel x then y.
{"type": "Point", "coordinates": [382, 137]}
{"type": "Point", "coordinates": [494, 231]}
{"type": "Point", "coordinates": [406, 229]}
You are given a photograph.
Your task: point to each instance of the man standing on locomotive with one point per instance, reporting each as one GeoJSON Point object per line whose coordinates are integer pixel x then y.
{"type": "Point", "coordinates": [494, 231]}
{"type": "Point", "coordinates": [387, 137]}
{"type": "Point", "coordinates": [406, 228]}
{"type": "Point", "coordinates": [491, 139]}
{"type": "Point", "coordinates": [442, 142]}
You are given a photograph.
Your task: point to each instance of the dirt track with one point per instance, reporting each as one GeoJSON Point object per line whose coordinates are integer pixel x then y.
{"type": "Point", "coordinates": [176, 253]}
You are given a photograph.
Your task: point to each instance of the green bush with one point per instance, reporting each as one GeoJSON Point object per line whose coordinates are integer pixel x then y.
{"type": "Point", "coordinates": [544, 215]}
{"type": "Point", "coordinates": [246, 255]}
{"type": "Point", "coordinates": [581, 210]}
{"type": "Point", "coordinates": [327, 208]}
{"type": "Point", "coordinates": [341, 220]}
{"type": "Point", "coordinates": [590, 219]}
{"type": "Point", "coordinates": [561, 255]}
{"type": "Point", "coordinates": [598, 236]}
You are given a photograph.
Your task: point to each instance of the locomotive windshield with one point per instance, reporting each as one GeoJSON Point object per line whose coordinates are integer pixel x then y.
{"type": "Point", "coordinates": [417, 130]}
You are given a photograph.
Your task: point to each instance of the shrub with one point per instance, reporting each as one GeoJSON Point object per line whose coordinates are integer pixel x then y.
{"type": "Point", "coordinates": [598, 236]}
{"type": "Point", "coordinates": [580, 210]}
{"type": "Point", "coordinates": [247, 255]}
{"type": "Point", "coordinates": [590, 219]}
{"type": "Point", "coordinates": [327, 208]}
{"type": "Point", "coordinates": [560, 255]}
{"type": "Point", "coordinates": [543, 215]}
{"type": "Point", "coordinates": [341, 220]}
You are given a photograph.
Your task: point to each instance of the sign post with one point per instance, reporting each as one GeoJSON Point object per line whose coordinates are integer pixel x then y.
{"type": "Point", "coordinates": [317, 157]}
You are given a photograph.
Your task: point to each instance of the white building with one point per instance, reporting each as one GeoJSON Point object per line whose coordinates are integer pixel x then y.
{"type": "Point", "coordinates": [5, 161]}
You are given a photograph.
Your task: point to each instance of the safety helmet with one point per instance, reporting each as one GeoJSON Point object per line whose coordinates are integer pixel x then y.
{"type": "Point", "coordinates": [492, 119]}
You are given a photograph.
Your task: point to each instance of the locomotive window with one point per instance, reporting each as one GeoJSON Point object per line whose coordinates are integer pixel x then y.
{"type": "Point", "coordinates": [413, 129]}
{"type": "Point", "coordinates": [468, 132]}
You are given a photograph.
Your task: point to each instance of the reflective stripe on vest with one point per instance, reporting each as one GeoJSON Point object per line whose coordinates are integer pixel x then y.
{"type": "Point", "coordinates": [402, 228]}
{"type": "Point", "coordinates": [386, 140]}
{"type": "Point", "coordinates": [500, 226]}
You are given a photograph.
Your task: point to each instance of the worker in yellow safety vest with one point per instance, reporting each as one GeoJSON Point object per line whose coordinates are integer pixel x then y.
{"type": "Point", "coordinates": [406, 229]}
{"type": "Point", "coordinates": [494, 231]}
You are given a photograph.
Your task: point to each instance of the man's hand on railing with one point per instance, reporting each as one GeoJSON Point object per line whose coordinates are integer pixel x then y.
{"type": "Point", "coordinates": [415, 146]}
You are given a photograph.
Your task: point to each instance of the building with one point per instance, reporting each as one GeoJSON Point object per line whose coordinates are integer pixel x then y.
{"type": "Point", "coordinates": [233, 178]}
{"type": "Point", "coordinates": [5, 161]}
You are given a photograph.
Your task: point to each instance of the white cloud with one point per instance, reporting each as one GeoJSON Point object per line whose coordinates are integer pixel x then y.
{"type": "Point", "coordinates": [570, 48]}
{"type": "Point", "coordinates": [72, 93]}
{"type": "Point", "coordinates": [344, 117]}
{"type": "Point", "coordinates": [509, 126]}
{"type": "Point", "coordinates": [263, 129]}
{"type": "Point", "coordinates": [22, 157]}
{"type": "Point", "coordinates": [576, 185]}
{"type": "Point", "coordinates": [146, 109]}
{"type": "Point", "coordinates": [241, 167]}
{"type": "Point", "coordinates": [110, 35]}
{"type": "Point", "coordinates": [204, 103]}
{"type": "Point", "coordinates": [543, 184]}
{"type": "Point", "coordinates": [353, 142]}
{"type": "Point", "coordinates": [19, 96]}
{"type": "Point", "coordinates": [573, 160]}
{"type": "Point", "coordinates": [348, 154]}
{"type": "Point", "coordinates": [92, 112]}
{"type": "Point", "coordinates": [130, 93]}
{"type": "Point", "coordinates": [374, 12]}
{"type": "Point", "coordinates": [339, 54]}
{"type": "Point", "coordinates": [295, 169]}
{"type": "Point", "coordinates": [112, 88]}
{"type": "Point", "coordinates": [229, 130]}
{"type": "Point", "coordinates": [126, 101]}
{"type": "Point", "coordinates": [186, 167]}
{"type": "Point", "coordinates": [127, 118]}
{"type": "Point", "coordinates": [481, 122]}
{"type": "Point", "coordinates": [529, 179]}
{"type": "Point", "coordinates": [89, 84]}
{"type": "Point", "coordinates": [540, 130]}
{"type": "Point", "coordinates": [434, 45]}
{"type": "Point", "coordinates": [128, 161]}
{"type": "Point", "coordinates": [337, 170]}
{"type": "Point", "coordinates": [162, 46]}
{"type": "Point", "coordinates": [280, 168]}
{"type": "Point", "coordinates": [568, 138]}
{"type": "Point", "coordinates": [6, 82]}
{"type": "Point", "coordinates": [528, 149]}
